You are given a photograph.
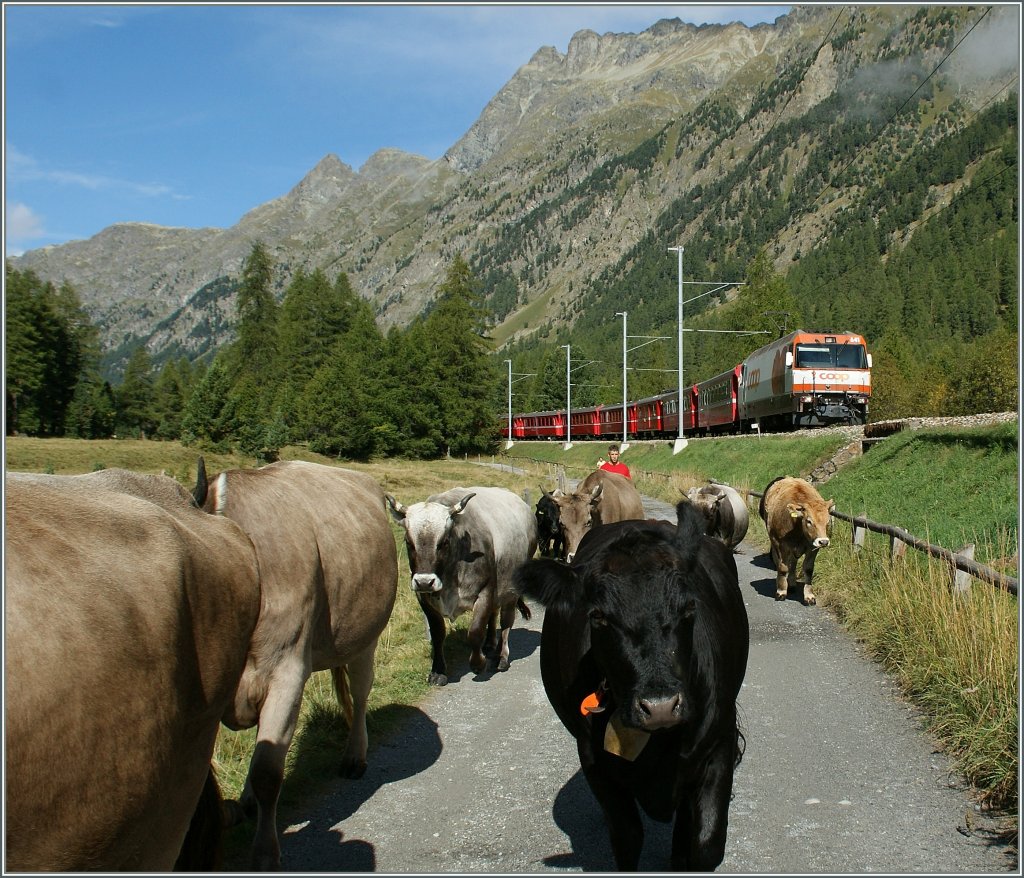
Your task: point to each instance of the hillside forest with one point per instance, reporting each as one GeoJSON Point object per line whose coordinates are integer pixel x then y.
{"type": "Point", "coordinates": [930, 280]}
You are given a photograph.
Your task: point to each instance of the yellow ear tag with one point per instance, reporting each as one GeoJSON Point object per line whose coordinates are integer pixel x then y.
{"type": "Point", "coordinates": [622, 741]}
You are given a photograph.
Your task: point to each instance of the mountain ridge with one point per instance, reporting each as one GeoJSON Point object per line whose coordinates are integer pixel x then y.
{"type": "Point", "coordinates": [570, 167]}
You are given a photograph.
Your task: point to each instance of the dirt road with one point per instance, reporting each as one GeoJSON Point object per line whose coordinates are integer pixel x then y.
{"type": "Point", "coordinates": [838, 776]}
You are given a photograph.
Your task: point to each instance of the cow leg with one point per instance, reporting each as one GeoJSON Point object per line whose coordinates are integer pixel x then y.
{"type": "Point", "coordinates": [806, 574]}
{"type": "Point", "coordinates": [438, 675]}
{"type": "Point", "coordinates": [278, 717]}
{"type": "Point", "coordinates": [491, 636]}
{"type": "Point", "coordinates": [784, 565]}
{"type": "Point", "coordinates": [483, 612]}
{"type": "Point", "coordinates": [622, 817]}
{"type": "Point", "coordinates": [698, 837]}
{"type": "Point", "coordinates": [360, 681]}
{"type": "Point", "coordinates": [508, 618]}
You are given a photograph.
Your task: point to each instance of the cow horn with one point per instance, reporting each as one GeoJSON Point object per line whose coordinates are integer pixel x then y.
{"type": "Point", "coordinates": [396, 509]}
{"type": "Point", "coordinates": [202, 487]}
{"type": "Point", "coordinates": [459, 507]}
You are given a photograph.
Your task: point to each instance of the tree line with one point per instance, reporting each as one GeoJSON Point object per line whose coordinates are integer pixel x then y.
{"type": "Point", "coordinates": [312, 368]}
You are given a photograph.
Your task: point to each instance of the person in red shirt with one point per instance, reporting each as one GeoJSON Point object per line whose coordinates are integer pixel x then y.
{"type": "Point", "coordinates": [613, 465]}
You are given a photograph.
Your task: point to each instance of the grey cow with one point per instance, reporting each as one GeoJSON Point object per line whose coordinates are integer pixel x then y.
{"type": "Point", "coordinates": [464, 545]}
{"type": "Point", "coordinates": [724, 511]}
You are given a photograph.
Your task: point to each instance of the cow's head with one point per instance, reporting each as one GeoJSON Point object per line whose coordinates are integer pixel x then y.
{"type": "Point", "coordinates": [549, 528]}
{"type": "Point", "coordinates": [814, 520]}
{"type": "Point", "coordinates": [709, 502]}
{"type": "Point", "coordinates": [577, 513]}
{"type": "Point", "coordinates": [633, 582]}
{"type": "Point", "coordinates": [428, 539]}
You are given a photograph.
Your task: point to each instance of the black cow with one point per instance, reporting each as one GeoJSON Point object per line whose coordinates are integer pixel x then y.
{"type": "Point", "coordinates": [549, 527]}
{"type": "Point", "coordinates": [643, 651]}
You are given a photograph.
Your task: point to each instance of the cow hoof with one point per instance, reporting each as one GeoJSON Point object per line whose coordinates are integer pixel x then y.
{"type": "Point", "coordinates": [810, 600]}
{"type": "Point", "coordinates": [435, 679]}
{"type": "Point", "coordinates": [780, 595]}
{"type": "Point", "coordinates": [352, 768]}
{"type": "Point", "coordinates": [503, 665]}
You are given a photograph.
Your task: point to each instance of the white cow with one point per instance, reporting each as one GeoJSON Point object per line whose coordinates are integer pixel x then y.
{"type": "Point", "coordinates": [464, 545]}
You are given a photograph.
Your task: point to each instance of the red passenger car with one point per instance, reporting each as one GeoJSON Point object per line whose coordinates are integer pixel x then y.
{"type": "Point", "coordinates": [718, 402]}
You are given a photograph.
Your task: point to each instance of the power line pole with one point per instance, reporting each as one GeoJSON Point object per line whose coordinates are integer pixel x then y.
{"type": "Point", "coordinates": [681, 442]}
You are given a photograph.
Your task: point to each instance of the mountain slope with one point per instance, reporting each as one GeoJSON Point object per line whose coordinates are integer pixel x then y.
{"type": "Point", "coordinates": [583, 166]}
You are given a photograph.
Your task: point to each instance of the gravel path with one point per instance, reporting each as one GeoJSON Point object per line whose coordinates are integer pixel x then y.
{"type": "Point", "coordinates": [838, 776]}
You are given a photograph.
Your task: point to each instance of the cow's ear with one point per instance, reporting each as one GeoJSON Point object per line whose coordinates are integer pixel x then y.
{"type": "Point", "coordinates": [460, 507]}
{"type": "Point", "coordinates": [795, 510]}
{"type": "Point", "coordinates": [548, 582]}
{"type": "Point", "coordinates": [690, 530]}
{"type": "Point", "coordinates": [396, 509]}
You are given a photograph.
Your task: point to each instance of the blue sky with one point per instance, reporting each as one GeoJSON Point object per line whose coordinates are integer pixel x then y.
{"type": "Point", "coordinates": [192, 115]}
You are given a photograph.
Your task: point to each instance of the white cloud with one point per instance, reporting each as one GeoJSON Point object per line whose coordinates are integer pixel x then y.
{"type": "Point", "coordinates": [21, 225]}
{"type": "Point", "coordinates": [22, 168]}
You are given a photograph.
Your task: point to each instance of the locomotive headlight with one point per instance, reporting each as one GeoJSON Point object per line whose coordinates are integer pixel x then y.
{"type": "Point", "coordinates": [806, 399]}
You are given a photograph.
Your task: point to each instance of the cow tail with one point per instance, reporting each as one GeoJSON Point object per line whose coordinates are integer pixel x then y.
{"type": "Point", "coordinates": [203, 847]}
{"type": "Point", "coordinates": [761, 510]}
{"type": "Point", "coordinates": [524, 609]}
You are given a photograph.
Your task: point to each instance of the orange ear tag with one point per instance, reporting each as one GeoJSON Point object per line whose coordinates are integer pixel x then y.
{"type": "Point", "coordinates": [592, 703]}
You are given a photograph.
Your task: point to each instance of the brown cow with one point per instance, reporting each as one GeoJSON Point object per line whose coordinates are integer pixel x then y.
{"type": "Point", "coordinates": [798, 522]}
{"type": "Point", "coordinates": [601, 498]}
{"type": "Point", "coordinates": [129, 614]}
{"type": "Point", "coordinates": [329, 574]}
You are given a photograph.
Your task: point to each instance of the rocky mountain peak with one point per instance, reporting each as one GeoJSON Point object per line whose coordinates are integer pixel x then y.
{"type": "Point", "coordinates": [328, 179]}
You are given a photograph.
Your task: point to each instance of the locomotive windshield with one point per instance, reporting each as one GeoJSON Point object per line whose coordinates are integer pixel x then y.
{"type": "Point", "coordinates": [847, 356]}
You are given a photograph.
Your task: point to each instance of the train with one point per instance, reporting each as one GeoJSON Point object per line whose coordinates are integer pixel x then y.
{"type": "Point", "coordinates": [803, 379]}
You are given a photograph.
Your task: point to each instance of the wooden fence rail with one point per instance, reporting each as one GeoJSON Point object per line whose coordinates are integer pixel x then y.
{"type": "Point", "coordinates": [961, 562]}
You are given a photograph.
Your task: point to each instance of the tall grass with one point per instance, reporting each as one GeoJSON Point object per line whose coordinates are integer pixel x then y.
{"type": "Point", "coordinates": [954, 654]}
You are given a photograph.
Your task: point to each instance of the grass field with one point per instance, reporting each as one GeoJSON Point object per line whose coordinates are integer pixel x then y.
{"type": "Point", "coordinates": [956, 657]}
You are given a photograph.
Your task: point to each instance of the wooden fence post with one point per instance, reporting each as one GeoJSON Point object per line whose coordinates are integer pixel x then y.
{"type": "Point", "coordinates": [897, 548]}
{"type": "Point", "coordinates": [961, 581]}
{"type": "Point", "coordinates": [561, 479]}
{"type": "Point", "coordinates": [859, 533]}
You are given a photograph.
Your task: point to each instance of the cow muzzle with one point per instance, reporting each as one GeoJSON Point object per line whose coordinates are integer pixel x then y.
{"type": "Point", "coordinates": [821, 543]}
{"type": "Point", "coordinates": [659, 713]}
{"type": "Point", "coordinates": [426, 583]}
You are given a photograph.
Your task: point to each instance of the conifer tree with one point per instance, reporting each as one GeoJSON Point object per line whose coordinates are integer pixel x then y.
{"type": "Point", "coordinates": [255, 348]}
{"type": "Point", "coordinates": [207, 418]}
{"type": "Point", "coordinates": [49, 344]}
{"type": "Point", "coordinates": [313, 316]}
{"type": "Point", "coordinates": [463, 377]}
{"type": "Point", "coordinates": [136, 399]}
{"type": "Point", "coordinates": [171, 391]}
